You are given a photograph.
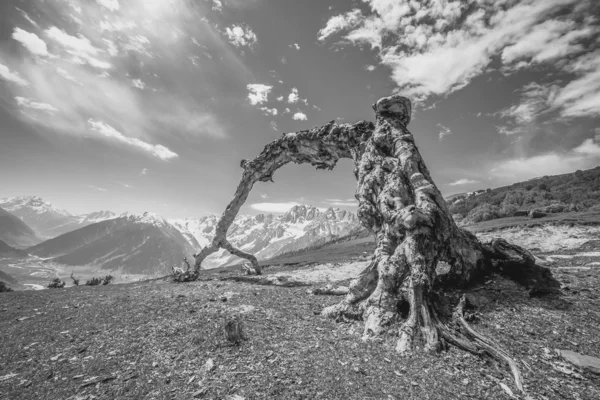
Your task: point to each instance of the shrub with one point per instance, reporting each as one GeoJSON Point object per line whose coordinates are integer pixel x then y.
{"type": "Point", "coordinates": [56, 283]}
{"type": "Point", "coordinates": [4, 287]}
{"type": "Point", "coordinates": [94, 282]}
{"type": "Point", "coordinates": [484, 212]}
{"type": "Point", "coordinates": [97, 281]}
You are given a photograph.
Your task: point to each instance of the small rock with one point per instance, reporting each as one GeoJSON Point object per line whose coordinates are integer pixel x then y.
{"type": "Point", "coordinates": [465, 382]}
{"type": "Point", "coordinates": [588, 363]}
{"type": "Point", "coordinates": [200, 393]}
{"type": "Point", "coordinates": [78, 377]}
{"type": "Point", "coordinates": [209, 365]}
{"type": "Point", "coordinates": [22, 319]}
{"type": "Point", "coordinates": [223, 299]}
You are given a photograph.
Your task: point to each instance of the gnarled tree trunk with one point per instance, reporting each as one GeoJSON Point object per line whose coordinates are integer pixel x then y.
{"type": "Point", "coordinates": [401, 205]}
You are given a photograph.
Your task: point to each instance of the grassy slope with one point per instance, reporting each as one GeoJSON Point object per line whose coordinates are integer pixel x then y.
{"type": "Point", "coordinates": [580, 189]}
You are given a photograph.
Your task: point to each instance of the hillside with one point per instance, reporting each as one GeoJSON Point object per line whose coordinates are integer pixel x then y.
{"type": "Point", "coordinates": [8, 251]}
{"type": "Point", "coordinates": [146, 245]}
{"type": "Point", "coordinates": [84, 342]}
{"type": "Point", "coordinates": [578, 191]}
{"type": "Point", "coordinates": [15, 232]}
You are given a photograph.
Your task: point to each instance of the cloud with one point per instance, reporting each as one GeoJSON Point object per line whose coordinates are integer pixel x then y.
{"type": "Point", "coordinates": [269, 111]}
{"type": "Point", "coordinates": [548, 41]}
{"type": "Point", "coordinates": [444, 131]}
{"type": "Point", "coordinates": [342, 202]}
{"type": "Point", "coordinates": [34, 105]}
{"type": "Point", "coordinates": [299, 116]}
{"type": "Point", "coordinates": [293, 96]}
{"type": "Point", "coordinates": [258, 93]}
{"type": "Point", "coordinates": [80, 48]}
{"type": "Point", "coordinates": [437, 47]}
{"type": "Point", "coordinates": [274, 207]}
{"type": "Point", "coordinates": [370, 68]}
{"type": "Point", "coordinates": [108, 131]}
{"type": "Point", "coordinates": [112, 5]}
{"type": "Point", "coordinates": [581, 96]}
{"type": "Point", "coordinates": [144, 171]}
{"type": "Point", "coordinates": [463, 181]}
{"type": "Point", "coordinates": [264, 196]}
{"type": "Point", "coordinates": [13, 77]}
{"type": "Point", "coordinates": [26, 16]}
{"type": "Point", "coordinates": [274, 126]}
{"type": "Point", "coordinates": [340, 22]}
{"type": "Point", "coordinates": [217, 5]}
{"type": "Point", "coordinates": [283, 60]}
{"type": "Point", "coordinates": [97, 188]}
{"type": "Point", "coordinates": [280, 98]}
{"type": "Point", "coordinates": [138, 83]}
{"type": "Point", "coordinates": [241, 36]}
{"type": "Point", "coordinates": [31, 42]}
{"type": "Point", "coordinates": [294, 46]}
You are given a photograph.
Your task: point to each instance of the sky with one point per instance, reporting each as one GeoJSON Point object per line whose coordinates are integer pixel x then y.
{"type": "Point", "coordinates": [149, 105]}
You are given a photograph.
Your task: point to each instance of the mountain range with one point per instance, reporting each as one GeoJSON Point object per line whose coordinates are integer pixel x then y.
{"type": "Point", "coordinates": [45, 219]}
{"type": "Point", "coordinates": [267, 236]}
{"type": "Point", "coordinates": [148, 244]}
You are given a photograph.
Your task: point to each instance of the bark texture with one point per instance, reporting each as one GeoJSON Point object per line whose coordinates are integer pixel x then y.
{"type": "Point", "coordinates": [400, 204]}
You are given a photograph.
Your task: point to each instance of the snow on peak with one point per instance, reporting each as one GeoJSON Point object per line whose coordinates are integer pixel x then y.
{"type": "Point", "coordinates": [146, 218]}
{"type": "Point", "coordinates": [32, 203]}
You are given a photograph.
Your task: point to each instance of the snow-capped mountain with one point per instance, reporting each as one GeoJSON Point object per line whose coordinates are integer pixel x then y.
{"type": "Point", "coordinates": [45, 219]}
{"type": "Point", "coordinates": [267, 236]}
{"type": "Point", "coordinates": [144, 244]}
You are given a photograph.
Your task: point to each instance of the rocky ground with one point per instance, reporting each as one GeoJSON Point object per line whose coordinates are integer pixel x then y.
{"type": "Point", "coordinates": [160, 340]}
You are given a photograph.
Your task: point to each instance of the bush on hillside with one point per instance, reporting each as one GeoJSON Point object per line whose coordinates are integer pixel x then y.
{"type": "Point", "coordinates": [97, 281]}
{"type": "Point", "coordinates": [56, 283]}
{"type": "Point", "coordinates": [4, 287]}
{"type": "Point", "coordinates": [484, 212]}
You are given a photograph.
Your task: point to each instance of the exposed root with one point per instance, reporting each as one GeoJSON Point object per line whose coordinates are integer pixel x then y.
{"type": "Point", "coordinates": [267, 280]}
{"type": "Point", "coordinates": [329, 290]}
{"type": "Point", "coordinates": [483, 345]}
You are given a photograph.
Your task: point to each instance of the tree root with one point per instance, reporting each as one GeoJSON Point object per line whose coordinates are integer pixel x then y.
{"type": "Point", "coordinates": [329, 290]}
{"type": "Point", "coordinates": [483, 345]}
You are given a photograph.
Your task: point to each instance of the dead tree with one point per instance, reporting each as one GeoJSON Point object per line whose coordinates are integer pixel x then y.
{"type": "Point", "coordinates": [75, 281]}
{"type": "Point", "coordinates": [401, 205]}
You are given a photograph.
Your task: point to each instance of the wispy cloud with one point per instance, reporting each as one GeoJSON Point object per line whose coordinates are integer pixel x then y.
{"type": "Point", "coordinates": [439, 47]}
{"type": "Point", "coordinates": [13, 77]}
{"type": "Point", "coordinates": [342, 202]}
{"type": "Point", "coordinates": [111, 5]}
{"type": "Point", "coordinates": [34, 105]}
{"type": "Point", "coordinates": [97, 188]}
{"type": "Point", "coordinates": [80, 69]}
{"type": "Point", "coordinates": [444, 131]}
{"type": "Point", "coordinates": [463, 181]}
{"type": "Point", "coordinates": [274, 207]}
{"type": "Point", "coordinates": [109, 132]}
